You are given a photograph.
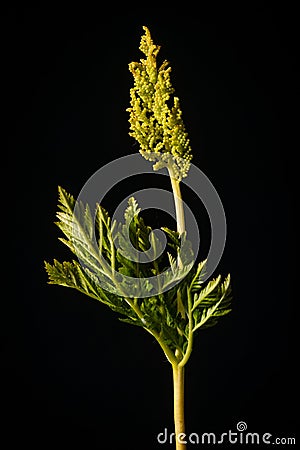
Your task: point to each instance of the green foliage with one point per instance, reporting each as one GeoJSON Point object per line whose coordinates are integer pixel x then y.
{"type": "Point", "coordinates": [172, 316]}
{"type": "Point", "coordinates": [155, 114]}
{"type": "Point", "coordinates": [124, 265]}
{"type": "Point", "coordinates": [210, 301]}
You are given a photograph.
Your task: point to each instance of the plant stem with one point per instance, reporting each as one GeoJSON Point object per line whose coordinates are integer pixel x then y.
{"type": "Point", "coordinates": [178, 202]}
{"type": "Point", "coordinates": [178, 386]}
{"type": "Point", "coordinates": [188, 351]}
{"type": "Point", "coordinates": [178, 369]}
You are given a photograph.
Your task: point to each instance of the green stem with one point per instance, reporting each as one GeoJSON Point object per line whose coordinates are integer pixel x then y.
{"type": "Point", "coordinates": [178, 386]}
{"type": "Point", "coordinates": [166, 349]}
{"type": "Point", "coordinates": [178, 202]}
{"type": "Point", "coordinates": [191, 332]}
{"type": "Point", "coordinates": [178, 369]}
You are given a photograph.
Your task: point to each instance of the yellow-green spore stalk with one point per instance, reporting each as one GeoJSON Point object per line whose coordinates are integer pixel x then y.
{"type": "Point", "coordinates": [155, 114]}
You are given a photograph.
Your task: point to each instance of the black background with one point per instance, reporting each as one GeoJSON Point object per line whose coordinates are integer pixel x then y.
{"type": "Point", "coordinates": [73, 375]}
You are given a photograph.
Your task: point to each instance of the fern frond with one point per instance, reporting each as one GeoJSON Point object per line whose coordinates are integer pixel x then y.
{"type": "Point", "coordinates": [211, 303]}
{"type": "Point", "coordinates": [77, 223]}
{"type": "Point", "coordinates": [204, 296]}
{"type": "Point", "coordinates": [73, 275]}
{"type": "Point", "coordinates": [197, 279]}
{"type": "Point", "coordinates": [66, 200]}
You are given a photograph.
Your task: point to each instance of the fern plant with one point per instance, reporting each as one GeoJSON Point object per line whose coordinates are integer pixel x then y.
{"type": "Point", "coordinates": [185, 302]}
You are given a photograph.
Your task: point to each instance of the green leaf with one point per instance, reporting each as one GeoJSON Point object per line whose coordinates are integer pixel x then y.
{"type": "Point", "coordinates": [212, 302]}
{"type": "Point", "coordinates": [173, 235]}
{"type": "Point", "coordinates": [72, 274]}
{"type": "Point", "coordinates": [172, 316]}
{"type": "Point", "coordinates": [131, 211]}
{"type": "Point", "coordinates": [133, 321]}
{"type": "Point", "coordinates": [197, 280]}
{"type": "Point", "coordinates": [204, 295]}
